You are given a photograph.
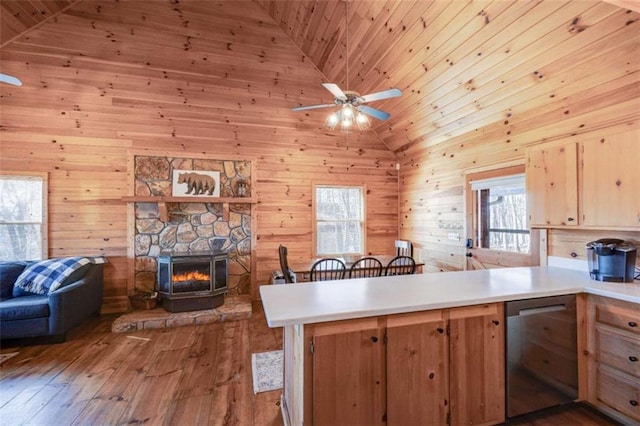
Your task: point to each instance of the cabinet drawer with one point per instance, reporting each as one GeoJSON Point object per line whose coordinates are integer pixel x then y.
{"type": "Point", "coordinates": [621, 318]}
{"type": "Point", "coordinates": [618, 391]}
{"type": "Point", "coordinates": [620, 352]}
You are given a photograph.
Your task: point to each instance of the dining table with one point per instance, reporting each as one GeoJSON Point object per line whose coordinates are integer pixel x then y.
{"type": "Point", "coordinates": [302, 269]}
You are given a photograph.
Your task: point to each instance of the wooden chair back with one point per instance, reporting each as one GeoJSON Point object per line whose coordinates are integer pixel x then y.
{"type": "Point", "coordinates": [404, 248]}
{"type": "Point", "coordinates": [401, 265]}
{"type": "Point", "coordinates": [284, 264]}
{"type": "Point", "coordinates": [366, 267]}
{"type": "Point", "coordinates": [327, 269]}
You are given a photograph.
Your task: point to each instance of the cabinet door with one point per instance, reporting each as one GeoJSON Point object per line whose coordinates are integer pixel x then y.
{"type": "Point", "coordinates": [349, 378]}
{"type": "Point", "coordinates": [417, 378]}
{"type": "Point", "coordinates": [552, 185]}
{"type": "Point", "coordinates": [611, 181]}
{"type": "Point", "coordinates": [477, 382]}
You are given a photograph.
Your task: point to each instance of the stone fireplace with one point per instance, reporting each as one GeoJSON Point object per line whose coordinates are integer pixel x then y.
{"type": "Point", "coordinates": [191, 226]}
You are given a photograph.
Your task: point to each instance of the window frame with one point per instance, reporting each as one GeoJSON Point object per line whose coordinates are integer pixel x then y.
{"type": "Point", "coordinates": [481, 188]}
{"type": "Point", "coordinates": [483, 258]}
{"type": "Point", "coordinates": [363, 220]}
{"type": "Point", "coordinates": [44, 227]}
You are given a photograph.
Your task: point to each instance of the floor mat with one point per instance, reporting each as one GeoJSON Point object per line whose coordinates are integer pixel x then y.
{"type": "Point", "coordinates": [267, 370]}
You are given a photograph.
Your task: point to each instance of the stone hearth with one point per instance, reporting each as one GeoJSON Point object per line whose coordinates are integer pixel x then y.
{"type": "Point", "coordinates": [234, 308]}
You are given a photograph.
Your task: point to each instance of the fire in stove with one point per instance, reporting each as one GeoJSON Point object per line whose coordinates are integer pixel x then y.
{"type": "Point", "coordinates": [190, 276]}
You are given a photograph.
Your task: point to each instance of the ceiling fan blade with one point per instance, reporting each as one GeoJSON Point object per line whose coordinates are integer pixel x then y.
{"type": "Point", "coordinates": [391, 93]}
{"type": "Point", "coordinates": [335, 91]}
{"type": "Point", "coordinates": [303, 108]}
{"type": "Point", "coordinates": [375, 113]}
{"type": "Point", "coordinates": [9, 79]}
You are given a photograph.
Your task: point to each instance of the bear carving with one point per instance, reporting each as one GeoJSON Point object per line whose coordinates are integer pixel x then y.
{"type": "Point", "coordinates": [197, 184]}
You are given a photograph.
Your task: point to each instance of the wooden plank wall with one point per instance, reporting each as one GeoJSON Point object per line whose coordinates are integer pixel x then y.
{"type": "Point", "coordinates": [104, 79]}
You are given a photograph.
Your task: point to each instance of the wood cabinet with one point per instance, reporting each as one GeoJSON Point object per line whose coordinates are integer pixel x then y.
{"type": "Point", "coordinates": [552, 185]}
{"type": "Point", "coordinates": [477, 367]}
{"type": "Point", "coordinates": [348, 373]}
{"type": "Point", "coordinates": [610, 171]}
{"type": "Point", "coordinates": [426, 367]}
{"type": "Point", "coordinates": [417, 367]}
{"type": "Point", "coordinates": [592, 183]}
{"type": "Point", "coordinates": [612, 358]}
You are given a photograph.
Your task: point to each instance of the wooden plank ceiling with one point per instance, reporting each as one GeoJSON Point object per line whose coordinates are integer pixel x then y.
{"type": "Point", "coordinates": [462, 65]}
{"type": "Point", "coordinates": [20, 16]}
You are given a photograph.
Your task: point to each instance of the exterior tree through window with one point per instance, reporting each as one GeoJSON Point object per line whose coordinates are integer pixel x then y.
{"type": "Point", "coordinates": [23, 213]}
{"type": "Point", "coordinates": [339, 220]}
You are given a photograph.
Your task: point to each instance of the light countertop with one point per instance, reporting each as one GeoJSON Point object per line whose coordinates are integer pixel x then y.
{"type": "Point", "coordinates": [305, 303]}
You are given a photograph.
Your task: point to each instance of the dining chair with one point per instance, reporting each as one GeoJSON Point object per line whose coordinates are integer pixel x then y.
{"type": "Point", "coordinates": [284, 265]}
{"type": "Point", "coordinates": [366, 267]}
{"type": "Point", "coordinates": [401, 265]}
{"type": "Point", "coordinates": [404, 248]}
{"type": "Point", "coordinates": [327, 269]}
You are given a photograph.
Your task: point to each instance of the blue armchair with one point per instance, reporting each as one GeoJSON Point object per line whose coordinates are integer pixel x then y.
{"type": "Point", "coordinates": [24, 314]}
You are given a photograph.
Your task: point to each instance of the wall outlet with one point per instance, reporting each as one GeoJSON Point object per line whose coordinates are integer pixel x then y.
{"type": "Point", "coordinates": [454, 236]}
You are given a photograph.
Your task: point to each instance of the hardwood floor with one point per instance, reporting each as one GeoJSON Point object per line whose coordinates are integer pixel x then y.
{"type": "Point", "coordinates": [192, 375]}
{"type": "Point", "coordinates": [576, 414]}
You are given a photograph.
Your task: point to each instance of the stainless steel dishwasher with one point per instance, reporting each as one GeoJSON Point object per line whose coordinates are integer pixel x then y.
{"type": "Point", "coordinates": [542, 369]}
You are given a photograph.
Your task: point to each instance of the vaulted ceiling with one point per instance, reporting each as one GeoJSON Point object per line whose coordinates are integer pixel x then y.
{"type": "Point", "coordinates": [462, 65]}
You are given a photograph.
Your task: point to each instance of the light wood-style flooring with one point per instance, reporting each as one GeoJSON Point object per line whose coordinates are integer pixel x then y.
{"type": "Point", "coordinates": [576, 414]}
{"type": "Point", "coordinates": [192, 375]}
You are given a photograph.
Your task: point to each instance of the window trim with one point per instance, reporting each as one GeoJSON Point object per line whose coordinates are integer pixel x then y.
{"type": "Point", "coordinates": [314, 222]}
{"type": "Point", "coordinates": [44, 225]}
{"type": "Point", "coordinates": [480, 185]}
{"type": "Point", "coordinates": [478, 257]}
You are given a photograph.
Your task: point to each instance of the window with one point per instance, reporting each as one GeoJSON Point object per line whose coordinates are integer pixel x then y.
{"type": "Point", "coordinates": [502, 213]}
{"type": "Point", "coordinates": [23, 230]}
{"type": "Point", "coordinates": [339, 217]}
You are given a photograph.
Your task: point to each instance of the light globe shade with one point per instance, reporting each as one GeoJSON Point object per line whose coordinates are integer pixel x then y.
{"type": "Point", "coordinates": [332, 121]}
{"type": "Point", "coordinates": [362, 121]}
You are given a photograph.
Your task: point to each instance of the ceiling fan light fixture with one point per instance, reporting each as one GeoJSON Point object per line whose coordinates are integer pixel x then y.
{"type": "Point", "coordinates": [332, 121]}
{"type": "Point", "coordinates": [362, 121]}
{"type": "Point", "coordinates": [345, 124]}
{"type": "Point", "coordinates": [347, 118]}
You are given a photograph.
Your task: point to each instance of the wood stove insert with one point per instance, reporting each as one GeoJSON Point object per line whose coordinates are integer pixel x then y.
{"type": "Point", "coordinates": [192, 281]}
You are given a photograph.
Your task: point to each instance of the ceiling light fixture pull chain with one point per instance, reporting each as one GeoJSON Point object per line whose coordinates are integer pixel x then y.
{"type": "Point", "coordinates": [349, 116]}
{"type": "Point", "coordinates": [346, 23]}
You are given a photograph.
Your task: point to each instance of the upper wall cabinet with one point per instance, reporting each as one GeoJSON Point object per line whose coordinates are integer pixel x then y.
{"type": "Point", "coordinates": [611, 181]}
{"type": "Point", "coordinates": [593, 183]}
{"type": "Point", "coordinates": [552, 185]}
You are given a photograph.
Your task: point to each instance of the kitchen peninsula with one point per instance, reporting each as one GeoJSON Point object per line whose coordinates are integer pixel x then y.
{"type": "Point", "coordinates": [445, 329]}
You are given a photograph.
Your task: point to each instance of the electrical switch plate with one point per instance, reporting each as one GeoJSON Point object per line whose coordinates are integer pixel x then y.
{"type": "Point", "coordinates": [454, 236]}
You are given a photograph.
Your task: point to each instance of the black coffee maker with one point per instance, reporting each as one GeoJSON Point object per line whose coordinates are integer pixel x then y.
{"type": "Point", "coordinates": [611, 259]}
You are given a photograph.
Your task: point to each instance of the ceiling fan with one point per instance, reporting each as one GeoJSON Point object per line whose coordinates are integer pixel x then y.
{"type": "Point", "coordinates": [9, 79]}
{"type": "Point", "coordinates": [353, 110]}
{"type": "Point", "coordinates": [354, 101]}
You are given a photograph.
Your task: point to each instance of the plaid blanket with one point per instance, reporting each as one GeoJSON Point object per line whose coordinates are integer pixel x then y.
{"type": "Point", "coordinates": [46, 276]}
